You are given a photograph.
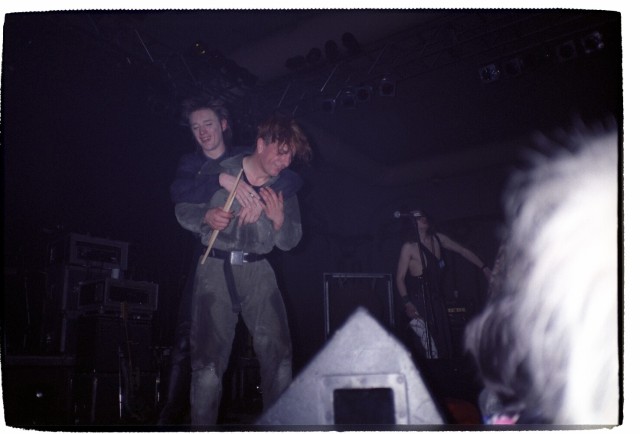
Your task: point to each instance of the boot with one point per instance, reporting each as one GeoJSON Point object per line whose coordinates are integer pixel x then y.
{"type": "Point", "coordinates": [176, 408]}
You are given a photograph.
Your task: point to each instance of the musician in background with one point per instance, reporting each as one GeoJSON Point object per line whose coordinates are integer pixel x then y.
{"type": "Point", "coordinates": [419, 281]}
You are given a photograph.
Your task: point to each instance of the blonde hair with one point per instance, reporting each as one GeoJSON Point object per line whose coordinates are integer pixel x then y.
{"type": "Point", "coordinates": [548, 340]}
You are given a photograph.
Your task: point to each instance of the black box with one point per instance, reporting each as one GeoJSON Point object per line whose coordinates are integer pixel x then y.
{"type": "Point", "coordinates": [107, 295]}
{"type": "Point", "coordinates": [86, 251]}
{"type": "Point", "coordinates": [345, 292]}
{"type": "Point", "coordinates": [61, 306]}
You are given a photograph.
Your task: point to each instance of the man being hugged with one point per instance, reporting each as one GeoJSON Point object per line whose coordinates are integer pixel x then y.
{"type": "Point", "coordinates": [235, 278]}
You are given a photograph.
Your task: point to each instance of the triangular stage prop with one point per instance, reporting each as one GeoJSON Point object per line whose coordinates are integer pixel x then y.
{"type": "Point", "coordinates": [363, 376]}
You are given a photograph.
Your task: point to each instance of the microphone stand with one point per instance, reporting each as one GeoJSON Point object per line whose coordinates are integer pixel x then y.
{"type": "Point", "coordinates": [425, 292]}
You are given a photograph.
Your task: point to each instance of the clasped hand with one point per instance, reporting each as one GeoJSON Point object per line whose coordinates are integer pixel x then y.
{"type": "Point", "coordinates": [272, 204]}
{"type": "Point", "coordinates": [269, 201]}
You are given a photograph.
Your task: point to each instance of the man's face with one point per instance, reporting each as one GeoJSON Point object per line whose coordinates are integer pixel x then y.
{"type": "Point", "coordinates": [207, 129]}
{"type": "Point", "coordinates": [273, 157]}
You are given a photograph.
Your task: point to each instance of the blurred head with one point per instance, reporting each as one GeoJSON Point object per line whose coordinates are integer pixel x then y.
{"type": "Point", "coordinates": [280, 140]}
{"type": "Point", "coordinates": [547, 342]}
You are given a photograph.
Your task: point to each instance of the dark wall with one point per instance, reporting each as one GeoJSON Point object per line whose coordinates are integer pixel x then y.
{"type": "Point", "coordinates": [86, 152]}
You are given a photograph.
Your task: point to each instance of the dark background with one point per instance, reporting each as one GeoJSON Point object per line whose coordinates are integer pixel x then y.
{"type": "Point", "coordinates": [91, 135]}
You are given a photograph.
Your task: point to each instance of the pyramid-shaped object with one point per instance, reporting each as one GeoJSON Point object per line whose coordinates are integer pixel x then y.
{"type": "Point", "coordinates": [362, 365]}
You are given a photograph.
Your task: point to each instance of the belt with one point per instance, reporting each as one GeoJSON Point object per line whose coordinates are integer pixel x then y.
{"type": "Point", "coordinates": [236, 257]}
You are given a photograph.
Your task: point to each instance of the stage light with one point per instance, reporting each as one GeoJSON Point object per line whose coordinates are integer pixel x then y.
{"type": "Point", "coordinates": [363, 93]}
{"type": "Point", "coordinates": [351, 44]}
{"type": "Point", "coordinates": [348, 99]}
{"type": "Point", "coordinates": [229, 69]}
{"type": "Point", "coordinates": [314, 56]}
{"type": "Point", "coordinates": [566, 51]}
{"type": "Point", "coordinates": [513, 67]}
{"type": "Point", "coordinates": [295, 63]}
{"type": "Point", "coordinates": [247, 78]}
{"type": "Point", "coordinates": [489, 73]}
{"type": "Point", "coordinates": [592, 42]}
{"type": "Point", "coordinates": [199, 48]}
{"type": "Point", "coordinates": [387, 86]}
{"type": "Point", "coordinates": [329, 105]}
{"type": "Point", "coordinates": [331, 50]}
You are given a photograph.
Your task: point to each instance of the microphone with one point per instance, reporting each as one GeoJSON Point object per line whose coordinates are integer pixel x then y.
{"type": "Point", "coordinates": [412, 214]}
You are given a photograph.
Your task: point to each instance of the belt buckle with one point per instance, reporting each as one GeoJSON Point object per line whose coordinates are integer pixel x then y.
{"type": "Point", "coordinates": [237, 257]}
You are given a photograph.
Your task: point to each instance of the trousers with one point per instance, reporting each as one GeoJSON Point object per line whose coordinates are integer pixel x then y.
{"type": "Point", "coordinates": [419, 327]}
{"type": "Point", "coordinates": [213, 331]}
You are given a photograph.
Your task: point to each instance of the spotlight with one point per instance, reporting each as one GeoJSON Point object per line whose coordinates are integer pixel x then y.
{"type": "Point", "coordinates": [199, 48]}
{"type": "Point", "coordinates": [217, 59]}
{"type": "Point", "coordinates": [592, 42]}
{"type": "Point", "coordinates": [314, 56]}
{"type": "Point", "coordinates": [329, 105]}
{"type": "Point", "coordinates": [331, 50]}
{"type": "Point", "coordinates": [363, 93]}
{"type": "Point", "coordinates": [295, 63]}
{"type": "Point", "coordinates": [230, 69]}
{"type": "Point", "coordinates": [247, 78]}
{"type": "Point", "coordinates": [387, 86]}
{"type": "Point", "coordinates": [348, 99]}
{"type": "Point", "coordinates": [350, 43]}
{"type": "Point", "coordinates": [537, 58]}
{"type": "Point", "coordinates": [513, 67]}
{"type": "Point", "coordinates": [566, 51]}
{"type": "Point", "coordinates": [489, 73]}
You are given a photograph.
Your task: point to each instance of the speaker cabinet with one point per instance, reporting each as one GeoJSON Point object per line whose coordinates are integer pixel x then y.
{"type": "Point", "coordinates": [64, 282]}
{"type": "Point", "coordinates": [61, 306]}
{"type": "Point", "coordinates": [363, 376]}
{"type": "Point", "coordinates": [346, 292]}
{"type": "Point", "coordinates": [105, 343]}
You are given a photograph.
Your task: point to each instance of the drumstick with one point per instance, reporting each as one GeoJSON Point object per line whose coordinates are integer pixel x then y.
{"type": "Point", "coordinates": [227, 205]}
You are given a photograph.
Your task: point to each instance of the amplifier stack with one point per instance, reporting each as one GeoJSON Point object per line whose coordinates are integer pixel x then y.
{"type": "Point", "coordinates": [104, 321]}
{"type": "Point", "coordinates": [85, 278]}
{"type": "Point", "coordinates": [106, 296]}
{"type": "Point", "coordinates": [94, 362]}
{"type": "Point", "coordinates": [87, 251]}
